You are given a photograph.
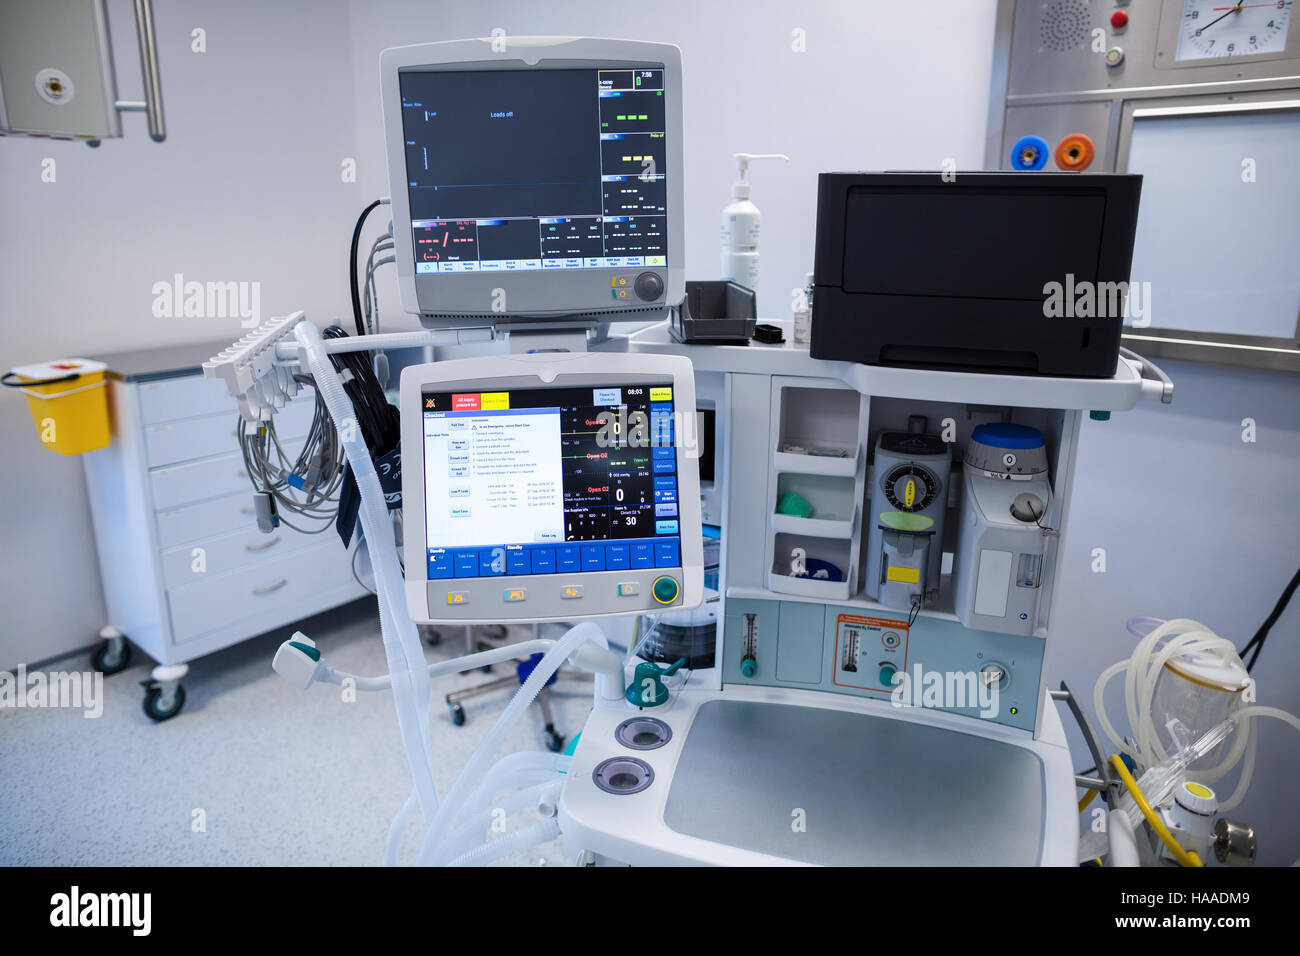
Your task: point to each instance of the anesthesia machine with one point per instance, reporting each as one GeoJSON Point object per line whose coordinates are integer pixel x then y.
{"type": "Point", "coordinates": [783, 698]}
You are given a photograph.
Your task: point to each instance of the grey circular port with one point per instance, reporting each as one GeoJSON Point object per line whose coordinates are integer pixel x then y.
{"type": "Point", "coordinates": [622, 775]}
{"type": "Point", "coordinates": [643, 733]}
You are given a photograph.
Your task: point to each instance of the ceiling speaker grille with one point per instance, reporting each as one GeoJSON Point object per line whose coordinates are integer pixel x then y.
{"type": "Point", "coordinates": [1065, 25]}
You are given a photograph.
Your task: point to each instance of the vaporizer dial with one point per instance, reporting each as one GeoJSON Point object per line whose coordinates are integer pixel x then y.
{"type": "Point", "coordinates": [910, 487]}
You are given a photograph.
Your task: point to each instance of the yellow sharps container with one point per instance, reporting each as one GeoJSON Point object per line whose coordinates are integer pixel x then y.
{"type": "Point", "coordinates": [68, 401]}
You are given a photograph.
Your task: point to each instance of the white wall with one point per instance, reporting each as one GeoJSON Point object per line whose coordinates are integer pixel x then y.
{"type": "Point", "coordinates": [246, 187]}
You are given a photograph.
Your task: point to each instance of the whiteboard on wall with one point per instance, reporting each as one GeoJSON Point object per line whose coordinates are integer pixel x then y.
{"type": "Point", "coordinates": [1218, 232]}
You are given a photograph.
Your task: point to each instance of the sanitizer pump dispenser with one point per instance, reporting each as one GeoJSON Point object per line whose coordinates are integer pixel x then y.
{"type": "Point", "coordinates": [740, 221]}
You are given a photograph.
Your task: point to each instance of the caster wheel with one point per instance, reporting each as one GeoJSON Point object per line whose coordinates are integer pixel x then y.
{"type": "Point", "coordinates": [152, 699]}
{"type": "Point", "coordinates": [104, 662]}
{"type": "Point", "coordinates": [457, 715]}
{"type": "Point", "coordinates": [433, 638]}
{"type": "Point", "coordinates": [554, 742]}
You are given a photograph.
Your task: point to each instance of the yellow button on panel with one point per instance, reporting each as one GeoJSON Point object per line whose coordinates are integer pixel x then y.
{"type": "Point", "coordinates": [457, 597]}
{"type": "Point", "coordinates": [627, 589]}
{"type": "Point", "coordinates": [515, 594]}
{"type": "Point", "coordinates": [570, 591]}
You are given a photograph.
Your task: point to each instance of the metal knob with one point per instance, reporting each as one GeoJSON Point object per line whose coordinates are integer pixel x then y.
{"type": "Point", "coordinates": [1234, 842]}
{"type": "Point", "coordinates": [993, 675]}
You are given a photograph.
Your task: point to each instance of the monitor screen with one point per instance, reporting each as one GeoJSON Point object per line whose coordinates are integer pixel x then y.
{"type": "Point", "coordinates": [523, 170]}
{"type": "Point", "coordinates": [550, 480]}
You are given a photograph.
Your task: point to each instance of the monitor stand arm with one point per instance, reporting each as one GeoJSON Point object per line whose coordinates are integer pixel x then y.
{"type": "Point", "coordinates": [565, 338]}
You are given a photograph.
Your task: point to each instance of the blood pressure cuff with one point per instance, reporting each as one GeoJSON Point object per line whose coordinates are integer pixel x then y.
{"type": "Point", "coordinates": [389, 468]}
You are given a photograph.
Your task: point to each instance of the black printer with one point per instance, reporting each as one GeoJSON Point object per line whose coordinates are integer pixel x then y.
{"type": "Point", "coordinates": [1001, 272]}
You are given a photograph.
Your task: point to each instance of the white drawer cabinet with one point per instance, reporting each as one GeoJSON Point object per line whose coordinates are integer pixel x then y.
{"type": "Point", "coordinates": [277, 585]}
{"type": "Point", "coordinates": [199, 480]}
{"type": "Point", "coordinates": [205, 519]}
{"type": "Point", "coordinates": [169, 442]}
{"type": "Point", "coordinates": [185, 570]}
{"type": "Point", "coordinates": [215, 556]}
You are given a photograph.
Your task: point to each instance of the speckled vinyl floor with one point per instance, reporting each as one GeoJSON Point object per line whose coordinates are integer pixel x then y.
{"type": "Point", "coordinates": [275, 776]}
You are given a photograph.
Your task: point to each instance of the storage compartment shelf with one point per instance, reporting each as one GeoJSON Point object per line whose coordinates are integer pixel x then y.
{"type": "Point", "coordinates": [809, 587]}
{"type": "Point", "coordinates": [816, 464]}
{"type": "Point", "coordinates": [818, 527]}
{"type": "Point", "coordinates": [835, 551]}
{"type": "Point", "coordinates": [830, 500]}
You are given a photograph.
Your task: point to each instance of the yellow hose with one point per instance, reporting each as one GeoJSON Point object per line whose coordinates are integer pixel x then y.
{"type": "Point", "coordinates": [1086, 799]}
{"type": "Point", "coordinates": [1185, 857]}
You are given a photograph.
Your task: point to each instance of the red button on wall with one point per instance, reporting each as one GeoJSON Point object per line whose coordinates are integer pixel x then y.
{"type": "Point", "coordinates": [1119, 19]}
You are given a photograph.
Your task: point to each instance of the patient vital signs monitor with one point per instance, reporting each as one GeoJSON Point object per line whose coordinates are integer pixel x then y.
{"type": "Point", "coordinates": [535, 177]}
{"type": "Point", "coordinates": [536, 185]}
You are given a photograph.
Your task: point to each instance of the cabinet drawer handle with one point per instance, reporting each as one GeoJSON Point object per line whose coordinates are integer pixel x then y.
{"type": "Point", "coordinates": [261, 547]}
{"type": "Point", "coordinates": [271, 587]}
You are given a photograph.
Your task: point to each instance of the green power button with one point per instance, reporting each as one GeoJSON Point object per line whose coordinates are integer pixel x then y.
{"type": "Point", "coordinates": [664, 590]}
{"type": "Point", "coordinates": [887, 675]}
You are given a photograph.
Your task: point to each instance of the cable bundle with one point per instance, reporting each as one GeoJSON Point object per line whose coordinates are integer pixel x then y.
{"type": "Point", "coordinates": [306, 485]}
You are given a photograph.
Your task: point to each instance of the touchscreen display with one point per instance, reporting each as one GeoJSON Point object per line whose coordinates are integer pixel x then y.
{"type": "Point", "coordinates": [550, 480]}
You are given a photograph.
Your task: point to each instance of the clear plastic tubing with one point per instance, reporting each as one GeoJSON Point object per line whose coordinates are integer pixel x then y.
{"type": "Point", "coordinates": [543, 831]}
{"type": "Point", "coordinates": [471, 832]}
{"type": "Point", "coordinates": [460, 790]}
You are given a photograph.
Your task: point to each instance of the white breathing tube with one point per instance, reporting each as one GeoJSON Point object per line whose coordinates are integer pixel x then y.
{"type": "Point", "coordinates": [409, 672]}
{"type": "Point", "coordinates": [406, 663]}
{"type": "Point", "coordinates": [1141, 672]}
{"type": "Point", "coordinates": [456, 798]}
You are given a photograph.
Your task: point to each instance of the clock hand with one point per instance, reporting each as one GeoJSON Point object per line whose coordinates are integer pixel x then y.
{"type": "Point", "coordinates": [1231, 11]}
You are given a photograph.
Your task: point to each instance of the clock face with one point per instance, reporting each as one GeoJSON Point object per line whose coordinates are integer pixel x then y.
{"type": "Point", "coordinates": [1215, 28]}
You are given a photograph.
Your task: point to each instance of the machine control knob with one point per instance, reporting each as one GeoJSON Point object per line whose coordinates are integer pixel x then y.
{"type": "Point", "coordinates": [1196, 798]}
{"type": "Point", "coordinates": [665, 590]}
{"type": "Point", "coordinates": [748, 666]}
{"type": "Point", "coordinates": [887, 672]}
{"type": "Point", "coordinates": [993, 675]}
{"type": "Point", "coordinates": [1119, 20]}
{"type": "Point", "coordinates": [1027, 507]}
{"type": "Point", "coordinates": [1234, 843]}
{"type": "Point", "coordinates": [648, 286]}
{"type": "Point", "coordinates": [1115, 56]}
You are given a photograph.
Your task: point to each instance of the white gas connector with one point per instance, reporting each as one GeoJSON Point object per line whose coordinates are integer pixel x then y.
{"type": "Point", "coordinates": [298, 661]}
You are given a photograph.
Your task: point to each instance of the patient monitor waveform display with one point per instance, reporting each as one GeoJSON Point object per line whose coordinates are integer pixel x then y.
{"type": "Point", "coordinates": [521, 170]}
{"type": "Point", "coordinates": [550, 481]}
